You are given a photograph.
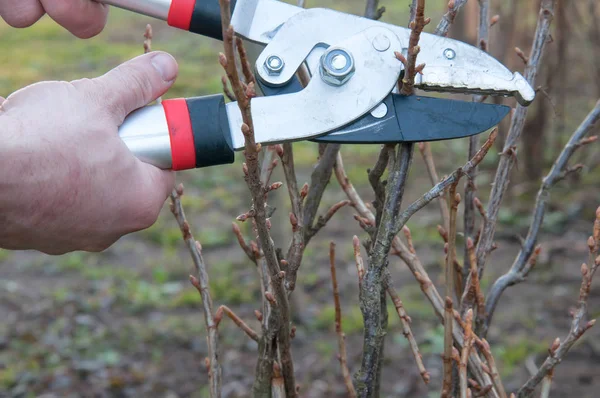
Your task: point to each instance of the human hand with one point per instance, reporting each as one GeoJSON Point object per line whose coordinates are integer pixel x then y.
{"type": "Point", "coordinates": [83, 18]}
{"type": "Point", "coordinates": [67, 181]}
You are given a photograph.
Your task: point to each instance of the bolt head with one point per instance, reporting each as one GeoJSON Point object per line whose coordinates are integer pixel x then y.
{"type": "Point", "coordinates": [337, 66]}
{"type": "Point", "coordinates": [274, 65]}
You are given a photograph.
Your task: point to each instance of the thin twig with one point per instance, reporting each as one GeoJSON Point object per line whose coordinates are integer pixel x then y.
{"type": "Point", "coordinates": [448, 343]}
{"type": "Point", "coordinates": [579, 325]}
{"type": "Point", "coordinates": [470, 187]}
{"type": "Point", "coordinates": [237, 320]}
{"type": "Point", "coordinates": [466, 350]}
{"type": "Point", "coordinates": [450, 292]}
{"type": "Point", "coordinates": [441, 186]}
{"type": "Point", "coordinates": [425, 149]}
{"type": "Point", "coordinates": [200, 281]}
{"type": "Point", "coordinates": [147, 48]}
{"type": "Point", "coordinates": [338, 325]}
{"type": "Point", "coordinates": [546, 384]}
{"type": "Point", "coordinates": [319, 180]}
{"type": "Point", "coordinates": [491, 363]}
{"type": "Point", "coordinates": [410, 68]}
{"type": "Point", "coordinates": [406, 329]}
{"type": "Point", "coordinates": [372, 11]}
{"type": "Point", "coordinates": [448, 19]}
{"type": "Point", "coordinates": [508, 158]}
{"type": "Point", "coordinates": [360, 267]}
{"type": "Point", "coordinates": [523, 264]}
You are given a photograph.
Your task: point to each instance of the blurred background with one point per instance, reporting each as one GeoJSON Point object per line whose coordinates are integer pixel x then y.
{"type": "Point", "coordinates": [127, 323]}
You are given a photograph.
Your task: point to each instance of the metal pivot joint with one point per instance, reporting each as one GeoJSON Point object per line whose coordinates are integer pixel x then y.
{"type": "Point", "coordinates": [337, 66]}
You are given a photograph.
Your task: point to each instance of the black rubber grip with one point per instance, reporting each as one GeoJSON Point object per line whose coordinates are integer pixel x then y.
{"type": "Point", "coordinates": [210, 126]}
{"type": "Point", "coordinates": [206, 18]}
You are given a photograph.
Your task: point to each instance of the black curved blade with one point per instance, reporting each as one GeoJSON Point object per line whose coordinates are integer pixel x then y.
{"type": "Point", "coordinates": [415, 119]}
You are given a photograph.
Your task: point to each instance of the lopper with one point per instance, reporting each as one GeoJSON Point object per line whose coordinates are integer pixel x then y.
{"type": "Point", "coordinates": [350, 98]}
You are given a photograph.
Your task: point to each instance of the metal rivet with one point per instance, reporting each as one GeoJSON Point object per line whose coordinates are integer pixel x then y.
{"type": "Point", "coordinates": [449, 53]}
{"type": "Point", "coordinates": [381, 42]}
{"type": "Point", "coordinates": [380, 111]}
{"type": "Point", "coordinates": [274, 65]}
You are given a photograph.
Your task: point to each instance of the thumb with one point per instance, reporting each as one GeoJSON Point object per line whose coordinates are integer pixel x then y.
{"type": "Point", "coordinates": [136, 83]}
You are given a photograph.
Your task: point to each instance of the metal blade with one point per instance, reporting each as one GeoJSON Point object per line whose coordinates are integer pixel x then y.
{"type": "Point", "coordinates": [259, 20]}
{"type": "Point", "coordinates": [416, 119]}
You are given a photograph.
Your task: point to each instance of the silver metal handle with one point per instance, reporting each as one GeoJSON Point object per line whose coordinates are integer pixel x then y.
{"type": "Point", "coordinates": [153, 8]}
{"type": "Point", "coordinates": [146, 134]}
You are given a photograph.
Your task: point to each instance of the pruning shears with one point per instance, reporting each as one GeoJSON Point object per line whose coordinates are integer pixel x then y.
{"type": "Point", "coordinates": [350, 98]}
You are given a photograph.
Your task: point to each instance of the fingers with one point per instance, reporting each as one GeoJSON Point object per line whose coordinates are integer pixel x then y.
{"type": "Point", "coordinates": [152, 189]}
{"type": "Point", "coordinates": [21, 13]}
{"type": "Point", "coordinates": [83, 18]}
{"type": "Point", "coordinates": [136, 83]}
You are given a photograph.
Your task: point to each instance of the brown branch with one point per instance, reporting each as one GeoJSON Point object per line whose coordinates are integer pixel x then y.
{"type": "Point", "coordinates": [448, 342]}
{"type": "Point", "coordinates": [579, 325]}
{"type": "Point", "coordinates": [450, 292]}
{"type": "Point", "coordinates": [466, 350]}
{"type": "Point", "coordinates": [269, 162]}
{"type": "Point", "coordinates": [372, 11]}
{"type": "Point", "coordinates": [360, 267]}
{"type": "Point", "coordinates": [375, 175]}
{"type": "Point", "coordinates": [371, 289]}
{"type": "Point", "coordinates": [410, 68]}
{"type": "Point", "coordinates": [338, 325]}
{"type": "Point", "coordinates": [318, 182]}
{"type": "Point", "coordinates": [472, 294]}
{"type": "Point", "coordinates": [200, 281]}
{"type": "Point", "coordinates": [406, 329]}
{"type": "Point", "coordinates": [507, 161]}
{"type": "Point", "coordinates": [523, 264]}
{"type": "Point", "coordinates": [323, 220]}
{"type": "Point", "coordinates": [453, 276]}
{"type": "Point", "coordinates": [448, 19]}
{"type": "Point", "coordinates": [425, 149]}
{"type": "Point", "coordinates": [279, 336]}
{"type": "Point", "coordinates": [296, 248]}
{"type": "Point", "coordinates": [546, 384]}
{"type": "Point", "coordinates": [237, 320]}
{"type": "Point", "coordinates": [485, 349]}
{"type": "Point", "coordinates": [470, 187]}
{"type": "Point", "coordinates": [441, 186]}
{"type": "Point", "coordinates": [242, 242]}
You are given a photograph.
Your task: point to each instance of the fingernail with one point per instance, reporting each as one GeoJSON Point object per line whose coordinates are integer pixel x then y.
{"type": "Point", "coordinates": [166, 66]}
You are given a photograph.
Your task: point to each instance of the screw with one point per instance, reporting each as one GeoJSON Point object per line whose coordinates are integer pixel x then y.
{"type": "Point", "coordinates": [381, 42]}
{"type": "Point", "coordinates": [449, 53]}
{"type": "Point", "coordinates": [274, 65]}
{"type": "Point", "coordinates": [337, 66]}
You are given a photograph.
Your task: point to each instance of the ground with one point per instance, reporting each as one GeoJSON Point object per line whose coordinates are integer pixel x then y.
{"type": "Point", "coordinates": [127, 323]}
